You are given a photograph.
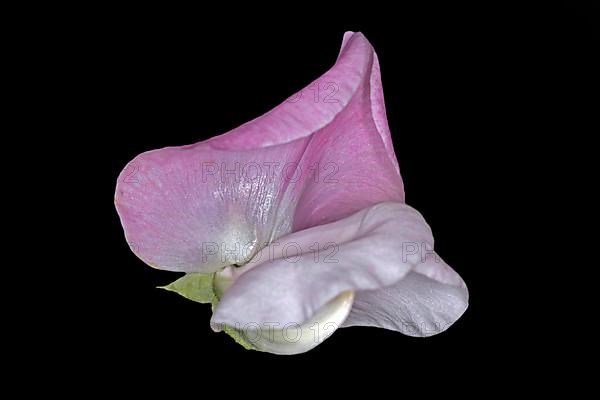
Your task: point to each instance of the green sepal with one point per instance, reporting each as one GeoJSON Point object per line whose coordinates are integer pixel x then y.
{"type": "Point", "coordinates": [200, 288]}
{"type": "Point", "coordinates": [195, 286]}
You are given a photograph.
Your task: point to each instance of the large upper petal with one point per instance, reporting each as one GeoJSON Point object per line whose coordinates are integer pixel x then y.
{"type": "Point", "coordinates": [319, 103]}
{"type": "Point", "coordinates": [201, 207]}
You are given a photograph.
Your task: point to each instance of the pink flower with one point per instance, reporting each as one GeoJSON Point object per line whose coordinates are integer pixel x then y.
{"type": "Point", "coordinates": [295, 219]}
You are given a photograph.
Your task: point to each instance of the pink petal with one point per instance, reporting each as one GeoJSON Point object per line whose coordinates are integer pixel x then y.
{"type": "Point", "coordinates": [174, 211]}
{"type": "Point", "coordinates": [356, 72]}
{"type": "Point", "coordinates": [182, 211]}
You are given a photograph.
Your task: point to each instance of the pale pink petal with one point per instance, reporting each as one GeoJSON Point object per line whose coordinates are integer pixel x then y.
{"type": "Point", "coordinates": [416, 305]}
{"type": "Point", "coordinates": [289, 281]}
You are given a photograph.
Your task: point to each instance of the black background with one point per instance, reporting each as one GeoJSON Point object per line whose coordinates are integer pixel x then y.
{"type": "Point", "coordinates": [462, 87]}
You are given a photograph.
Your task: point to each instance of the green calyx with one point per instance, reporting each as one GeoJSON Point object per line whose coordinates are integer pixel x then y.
{"type": "Point", "coordinates": [206, 289]}
{"type": "Point", "coordinates": [196, 287]}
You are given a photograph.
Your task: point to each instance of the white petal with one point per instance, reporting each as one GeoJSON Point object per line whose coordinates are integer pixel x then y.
{"type": "Point", "coordinates": [367, 254]}
{"type": "Point", "coordinates": [415, 306]}
{"type": "Point", "coordinates": [293, 338]}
